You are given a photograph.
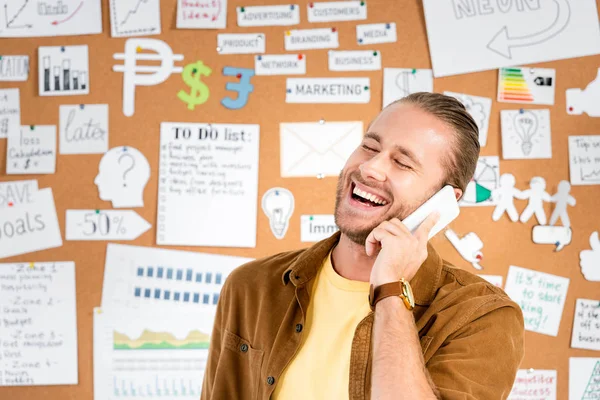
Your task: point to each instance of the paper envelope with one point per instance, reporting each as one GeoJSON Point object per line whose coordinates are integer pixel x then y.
{"type": "Point", "coordinates": [317, 149]}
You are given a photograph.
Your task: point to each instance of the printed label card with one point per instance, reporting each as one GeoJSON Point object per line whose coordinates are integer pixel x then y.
{"type": "Point", "coordinates": [314, 228]}
{"type": "Point", "coordinates": [485, 180]}
{"type": "Point", "coordinates": [202, 14]}
{"type": "Point", "coordinates": [530, 384]}
{"type": "Point", "coordinates": [288, 14]}
{"type": "Point", "coordinates": [354, 60]}
{"type": "Point", "coordinates": [33, 151]}
{"type": "Point", "coordinates": [526, 85]}
{"type": "Point", "coordinates": [400, 82]}
{"type": "Point", "coordinates": [13, 193]}
{"type": "Point", "coordinates": [134, 17]}
{"type": "Point", "coordinates": [310, 39]}
{"type": "Point", "coordinates": [584, 159]}
{"type": "Point", "coordinates": [480, 109]}
{"type": "Point", "coordinates": [584, 378]}
{"type": "Point", "coordinates": [63, 70]}
{"type": "Point", "coordinates": [328, 90]}
{"type": "Point", "coordinates": [328, 11]}
{"type": "Point", "coordinates": [280, 64]}
{"type": "Point", "coordinates": [526, 134]}
{"type": "Point", "coordinates": [376, 33]}
{"type": "Point", "coordinates": [10, 112]}
{"type": "Point", "coordinates": [83, 129]}
{"type": "Point", "coordinates": [240, 43]}
{"type": "Point", "coordinates": [541, 297]}
{"type": "Point", "coordinates": [586, 326]}
{"type": "Point", "coordinates": [14, 68]}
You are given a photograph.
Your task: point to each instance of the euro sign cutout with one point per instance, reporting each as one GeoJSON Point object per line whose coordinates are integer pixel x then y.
{"type": "Point", "coordinates": [144, 75]}
{"type": "Point", "coordinates": [192, 75]}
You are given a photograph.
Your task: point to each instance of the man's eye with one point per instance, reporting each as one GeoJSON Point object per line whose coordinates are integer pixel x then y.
{"type": "Point", "coordinates": [367, 148]}
{"type": "Point", "coordinates": [404, 166]}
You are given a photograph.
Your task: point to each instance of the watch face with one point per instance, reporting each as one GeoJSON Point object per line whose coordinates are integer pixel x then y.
{"type": "Point", "coordinates": [408, 293]}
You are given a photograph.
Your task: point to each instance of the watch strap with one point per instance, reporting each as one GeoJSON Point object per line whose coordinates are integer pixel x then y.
{"type": "Point", "coordinates": [382, 291]}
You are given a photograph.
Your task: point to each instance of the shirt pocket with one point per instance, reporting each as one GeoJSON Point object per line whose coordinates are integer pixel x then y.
{"type": "Point", "coordinates": [239, 368]}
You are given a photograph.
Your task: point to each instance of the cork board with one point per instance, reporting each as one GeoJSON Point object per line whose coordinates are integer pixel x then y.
{"type": "Point", "coordinates": [506, 243]}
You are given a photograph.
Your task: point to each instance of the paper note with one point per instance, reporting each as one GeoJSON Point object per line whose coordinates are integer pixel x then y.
{"type": "Point", "coordinates": [25, 18]}
{"type": "Point", "coordinates": [495, 280]}
{"type": "Point", "coordinates": [530, 384]}
{"type": "Point", "coordinates": [13, 193]}
{"type": "Point", "coordinates": [10, 112]}
{"type": "Point", "coordinates": [586, 100]}
{"type": "Point", "coordinates": [468, 36]}
{"type": "Point", "coordinates": [314, 228]}
{"type": "Point", "coordinates": [584, 159]}
{"type": "Point", "coordinates": [485, 181]}
{"type": "Point", "coordinates": [526, 134]}
{"type": "Point", "coordinates": [400, 82]}
{"type": "Point", "coordinates": [307, 39]}
{"type": "Point", "coordinates": [328, 90]}
{"type": "Point", "coordinates": [208, 177]}
{"type": "Point", "coordinates": [280, 64]}
{"type": "Point", "coordinates": [134, 17]}
{"type": "Point", "coordinates": [317, 149]}
{"type": "Point", "coordinates": [83, 128]}
{"type": "Point", "coordinates": [148, 278]}
{"type": "Point", "coordinates": [354, 60]}
{"type": "Point", "coordinates": [526, 85]}
{"type": "Point", "coordinates": [150, 355]}
{"type": "Point", "coordinates": [104, 225]}
{"type": "Point", "coordinates": [33, 151]}
{"type": "Point", "coordinates": [287, 14]}
{"type": "Point", "coordinates": [541, 296]}
{"type": "Point", "coordinates": [584, 378]}
{"type": "Point", "coordinates": [240, 43]}
{"type": "Point", "coordinates": [63, 70]}
{"type": "Point", "coordinates": [202, 14]}
{"type": "Point", "coordinates": [14, 68]}
{"type": "Point", "coordinates": [39, 324]}
{"type": "Point", "coordinates": [586, 326]}
{"type": "Point", "coordinates": [376, 33]}
{"type": "Point", "coordinates": [327, 11]}
{"type": "Point", "coordinates": [480, 109]}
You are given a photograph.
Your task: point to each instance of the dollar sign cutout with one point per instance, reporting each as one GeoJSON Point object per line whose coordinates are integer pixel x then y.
{"type": "Point", "coordinates": [192, 74]}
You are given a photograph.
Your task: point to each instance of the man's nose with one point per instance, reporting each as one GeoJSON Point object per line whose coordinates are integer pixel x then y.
{"type": "Point", "coordinates": [375, 168]}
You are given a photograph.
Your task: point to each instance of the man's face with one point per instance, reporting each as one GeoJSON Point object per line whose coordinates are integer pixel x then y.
{"type": "Point", "coordinates": [400, 161]}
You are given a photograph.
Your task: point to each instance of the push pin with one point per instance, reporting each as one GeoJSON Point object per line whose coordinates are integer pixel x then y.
{"type": "Point", "coordinates": [218, 49]}
{"type": "Point", "coordinates": [521, 111]}
{"type": "Point", "coordinates": [320, 175]}
{"type": "Point", "coordinates": [321, 121]}
{"type": "Point", "coordinates": [81, 106]}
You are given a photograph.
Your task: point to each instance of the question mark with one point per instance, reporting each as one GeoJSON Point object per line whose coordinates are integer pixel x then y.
{"type": "Point", "coordinates": [128, 169]}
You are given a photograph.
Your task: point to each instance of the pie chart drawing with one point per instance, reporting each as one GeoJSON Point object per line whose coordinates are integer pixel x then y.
{"type": "Point", "coordinates": [486, 179]}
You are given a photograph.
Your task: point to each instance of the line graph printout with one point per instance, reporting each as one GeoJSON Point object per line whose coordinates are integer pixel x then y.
{"type": "Point", "coordinates": [34, 18]}
{"type": "Point", "coordinates": [476, 35]}
{"type": "Point", "coordinates": [134, 17]}
{"type": "Point", "coordinates": [148, 354]}
{"type": "Point", "coordinates": [584, 159]}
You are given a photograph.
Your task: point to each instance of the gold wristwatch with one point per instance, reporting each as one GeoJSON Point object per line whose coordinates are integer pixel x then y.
{"type": "Point", "coordinates": [401, 289]}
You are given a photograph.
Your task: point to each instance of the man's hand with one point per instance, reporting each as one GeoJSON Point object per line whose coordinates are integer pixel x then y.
{"type": "Point", "coordinates": [400, 252]}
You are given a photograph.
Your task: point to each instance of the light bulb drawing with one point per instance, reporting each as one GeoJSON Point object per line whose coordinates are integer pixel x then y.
{"type": "Point", "coordinates": [526, 125]}
{"type": "Point", "coordinates": [278, 205]}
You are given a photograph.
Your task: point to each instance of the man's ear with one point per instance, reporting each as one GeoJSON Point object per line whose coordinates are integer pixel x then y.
{"type": "Point", "coordinates": [458, 193]}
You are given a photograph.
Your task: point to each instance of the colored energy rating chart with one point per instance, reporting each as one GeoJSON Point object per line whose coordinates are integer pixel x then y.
{"type": "Point", "coordinates": [526, 85]}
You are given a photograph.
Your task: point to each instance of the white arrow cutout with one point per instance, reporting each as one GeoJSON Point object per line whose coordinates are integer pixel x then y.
{"type": "Point", "coordinates": [104, 225]}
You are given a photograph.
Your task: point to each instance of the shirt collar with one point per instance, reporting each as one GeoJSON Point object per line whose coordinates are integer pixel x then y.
{"type": "Point", "coordinates": [424, 284]}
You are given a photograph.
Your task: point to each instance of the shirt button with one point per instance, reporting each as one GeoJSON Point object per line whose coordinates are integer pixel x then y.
{"type": "Point", "coordinates": [244, 348]}
{"type": "Point", "coordinates": [270, 380]}
{"type": "Point", "coordinates": [299, 328]}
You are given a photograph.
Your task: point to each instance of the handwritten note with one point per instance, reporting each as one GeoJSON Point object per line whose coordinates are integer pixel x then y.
{"type": "Point", "coordinates": [534, 385]}
{"type": "Point", "coordinates": [586, 326]}
{"type": "Point", "coordinates": [33, 151]}
{"type": "Point", "coordinates": [541, 296]}
{"type": "Point", "coordinates": [202, 14]}
{"type": "Point", "coordinates": [208, 184]}
{"type": "Point", "coordinates": [38, 327]}
{"type": "Point", "coordinates": [14, 68]}
{"type": "Point", "coordinates": [83, 129]}
{"type": "Point", "coordinates": [10, 112]}
{"type": "Point", "coordinates": [17, 192]}
{"type": "Point", "coordinates": [584, 157]}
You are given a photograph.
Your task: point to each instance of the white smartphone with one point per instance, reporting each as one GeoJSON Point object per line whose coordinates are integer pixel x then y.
{"type": "Point", "coordinates": [443, 202]}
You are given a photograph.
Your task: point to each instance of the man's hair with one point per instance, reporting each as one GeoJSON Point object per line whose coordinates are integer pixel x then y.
{"type": "Point", "coordinates": [461, 164]}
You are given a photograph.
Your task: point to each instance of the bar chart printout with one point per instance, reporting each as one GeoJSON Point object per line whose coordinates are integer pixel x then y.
{"type": "Point", "coordinates": [63, 70]}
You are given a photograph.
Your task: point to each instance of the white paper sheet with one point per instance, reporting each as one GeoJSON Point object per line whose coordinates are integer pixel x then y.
{"type": "Point", "coordinates": [314, 228]}
{"type": "Point", "coordinates": [317, 150]}
{"type": "Point", "coordinates": [33, 151]}
{"type": "Point", "coordinates": [400, 82]}
{"type": "Point", "coordinates": [485, 181]}
{"type": "Point", "coordinates": [241, 43]}
{"type": "Point", "coordinates": [541, 296]}
{"type": "Point", "coordinates": [279, 15]}
{"type": "Point", "coordinates": [480, 109]}
{"type": "Point", "coordinates": [10, 112]}
{"type": "Point", "coordinates": [526, 134]}
{"type": "Point", "coordinates": [354, 60]}
{"type": "Point", "coordinates": [104, 225]}
{"type": "Point", "coordinates": [63, 70]}
{"type": "Point", "coordinates": [585, 100]}
{"type": "Point", "coordinates": [148, 278]}
{"type": "Point", "coordinates": [39, 324]}
{"type": "Point", "coordinates": [202, 14]}
{"type": "Point", "coordinates": [328, 90]}
{"type": "Point", "coordinates": [376, 33]}
{"type": "Point", "coordinates": [526, 85]}
{"type": "Point", "coordinates": [150, 355]}
{"type": "Point", "coordinates": [208, 184]}
{"type": "Point", "coordinates": [586, 325]}
{"type": "Point", "coordinates": [24, 18]}
{"type": "Point", "coordinates": [83, 129]}
{"type": "Point", "coordinates": [584, 159]}
{"type": "Point", "coordinates": [14, 68]}
{"type": "Point", "coordinates": [327, 11]}
{"type": "Point", "coordinates": [468, 36]}
{"type": "Point", "coordinates": [13, 193]}
{"type": "Point", "coordinates": [539, 384]}
{"type": "Point", "coordinates": [134, 17]}
{"type": "Point", "coordinates": [308, 39]}
{"type": "Point", "coordinates": [280, 64]}
{"type": "Point", "coordinates": [584, 378]}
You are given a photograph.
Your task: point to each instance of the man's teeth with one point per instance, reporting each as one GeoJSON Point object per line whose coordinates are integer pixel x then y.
{"type": "Point", "coordinates": [369, 196]}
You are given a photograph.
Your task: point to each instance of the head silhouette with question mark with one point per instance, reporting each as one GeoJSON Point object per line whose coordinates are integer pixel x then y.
{"type": "Point", "coordinates": [122, 177]}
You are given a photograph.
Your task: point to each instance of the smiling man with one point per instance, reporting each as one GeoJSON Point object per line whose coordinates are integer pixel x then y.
{"type": "Point", "coordinates": [373, 312]}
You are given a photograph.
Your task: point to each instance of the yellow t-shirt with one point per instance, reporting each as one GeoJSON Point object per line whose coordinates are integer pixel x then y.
{"type": "Point", "coordinates": [321, 367]}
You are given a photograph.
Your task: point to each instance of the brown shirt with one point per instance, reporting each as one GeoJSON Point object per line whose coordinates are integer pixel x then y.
{"type": "Point", "coordinates": [471, 333]}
